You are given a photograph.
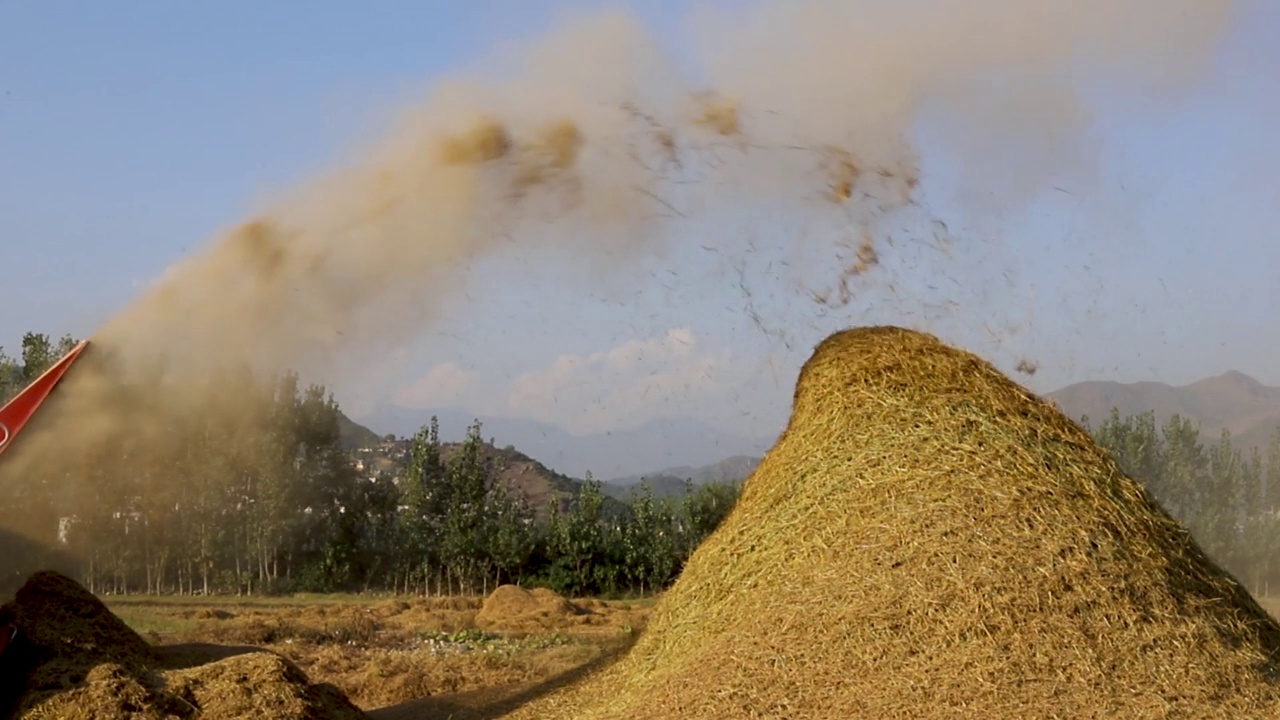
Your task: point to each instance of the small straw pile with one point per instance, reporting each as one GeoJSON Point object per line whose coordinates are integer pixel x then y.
{"type": "Point", "coordinates": [510, 608]}
{"type": "Point", "coordinates": [928, 539]}
{"type": "Point", "coordinates": [75, 659]}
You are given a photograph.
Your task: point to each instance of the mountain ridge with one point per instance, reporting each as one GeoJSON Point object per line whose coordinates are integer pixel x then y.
{"type": "Point", "coordinates": [730, 469]}
{"type": "Point", "coordinates": [1234, 401]}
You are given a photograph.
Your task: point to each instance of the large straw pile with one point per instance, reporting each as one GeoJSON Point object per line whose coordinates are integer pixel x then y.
{"type": "Point", "coordinates": [928, 539]}
{"type": "Point", "coordinates": [75, 659]}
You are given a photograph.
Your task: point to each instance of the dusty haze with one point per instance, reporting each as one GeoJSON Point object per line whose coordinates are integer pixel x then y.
{"type": "Point", "coordinates": [596, 147]}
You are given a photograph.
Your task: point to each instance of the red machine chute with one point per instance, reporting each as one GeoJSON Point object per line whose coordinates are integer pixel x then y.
{"type": "Point", "coordinates": [18, 411]}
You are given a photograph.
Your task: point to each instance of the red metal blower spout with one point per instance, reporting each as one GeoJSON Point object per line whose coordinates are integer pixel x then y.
{"type": "Point", "coordinates": [18, 411]}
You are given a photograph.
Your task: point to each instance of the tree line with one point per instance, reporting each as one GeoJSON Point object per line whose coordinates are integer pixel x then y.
{"type": "Point", "coordinates": [1228, 497]}
{"type": "Point", "coordinates": [460, 528]}
{"type": "Point", "coordinates": [213, 506]}
{"type": "Point", "coordinates": [278, 505]}
{"type": "Point", "coordinates": [38, 352]}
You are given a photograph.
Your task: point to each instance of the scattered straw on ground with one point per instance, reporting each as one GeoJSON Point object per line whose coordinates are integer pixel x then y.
{"type": "Point", "coordinates": [389, 654]}
{"type": "Point", "coordinates": [928, 539]}
{"type": "Point", "coordinates": [252, 685]}
{"type": "Point", "coordinates": [74, 659]}
{"type": "Point", "coordinates": [381, 677]}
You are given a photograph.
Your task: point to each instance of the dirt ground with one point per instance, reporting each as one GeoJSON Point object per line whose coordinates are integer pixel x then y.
{"type": "Point", "coordinates": [402, 658]}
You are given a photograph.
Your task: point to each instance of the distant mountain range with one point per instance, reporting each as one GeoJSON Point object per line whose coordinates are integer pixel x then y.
{"type": "Point", "coordinates": [671, 442]}
{"type": "Point", "coordinates": [1232, 400]}
{"type": "Point", "coordinates": [727, 470]}
{"type": "Point", "coordinates": [670, 482]}
{"type": "Point", "coordinates": [696, 451]}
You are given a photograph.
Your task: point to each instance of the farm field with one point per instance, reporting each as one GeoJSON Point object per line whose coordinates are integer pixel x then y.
{"type": "Point", "coordinates": [403, 657]}
{"type": "Point", "coordinates": [407, 657]}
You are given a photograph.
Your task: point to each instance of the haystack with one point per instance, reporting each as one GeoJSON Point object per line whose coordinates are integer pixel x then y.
{"type": "Point", "coordinates": [75, 659]}
{"type": "Point", "coordinates": [928, 539]}
{"type": "Point", "coordinates": [511, 608]}
{"type": "Point", "coordinates": [64, 631]}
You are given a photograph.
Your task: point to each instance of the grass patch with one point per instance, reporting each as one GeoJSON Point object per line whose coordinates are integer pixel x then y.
{"type": "Point", "coordinates": [149, 621]}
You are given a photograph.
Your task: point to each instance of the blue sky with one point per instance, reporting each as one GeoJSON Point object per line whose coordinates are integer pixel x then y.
{"type": "Point", "coordinates": [131, 135]}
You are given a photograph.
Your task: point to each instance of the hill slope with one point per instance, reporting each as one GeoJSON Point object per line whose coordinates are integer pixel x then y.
{"type": "Point", "coordinates": [540, 484]}
{"type": "Point", "coordinates": [670, 482]}
{"type": "Point", "coordinates": [730, 469]}
{"type": "Point", "coordinates": [352, 435]}
{"type": "Point", "coordinates": [1232, 400]}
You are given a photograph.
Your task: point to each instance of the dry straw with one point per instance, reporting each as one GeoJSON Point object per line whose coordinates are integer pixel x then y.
{"type": "Point", "coordinates": [75, 659]}
{"type": "Point", "coordinates": [928, 539]}
{"type": "Point", "coordinates": [485, 141]}
{"type": "Point", "coordinates": [722, 115]}
{"type": "Point", "coordinates": [510, 608]}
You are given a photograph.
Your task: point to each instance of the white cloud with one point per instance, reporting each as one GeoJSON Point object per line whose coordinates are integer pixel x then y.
{"type": "Point", "coordinates": [626, 385]}
{"type": "Point", "coordinates": [444, 385]}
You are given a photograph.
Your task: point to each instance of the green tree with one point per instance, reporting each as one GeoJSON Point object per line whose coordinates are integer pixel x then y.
{"type": "Point", "coordinates": [1256, 543]}
{"type": "Point", "coordinates": [422, 498]}
{"type": "Point", "coordinates": [576, 540]}
{"type": "Point", "coordinates": [37, 355]}
{"type": "Point", "coordinates": [1136, 445]}
{"type": "Point", "coordinates": [704, 509]}
{"type": "Point", "coordinates": [511, 535]}
{"type": "Point", "coordinates": [1185, 467]}
{"type": "Point", "coordinates": [465, 529]}
{"type": "Point", "coordinates": [10, 376]}
{"type": "Point", "coordinates": [640, 537]}
{"type": "Point", "coordinates": [1268, 515]}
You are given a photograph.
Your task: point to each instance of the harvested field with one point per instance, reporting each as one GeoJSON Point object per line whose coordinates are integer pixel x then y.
{"type": "Point", "coordinates": [401, 657]}
{"type": "Point", "coordinates": [929, 539]}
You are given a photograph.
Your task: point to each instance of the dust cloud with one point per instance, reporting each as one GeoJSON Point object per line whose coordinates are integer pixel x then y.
{"type": "Point", "coordinates": [594, 144]}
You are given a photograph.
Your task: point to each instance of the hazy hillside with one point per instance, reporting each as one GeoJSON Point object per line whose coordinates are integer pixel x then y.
{"type": "Point", "coordinates": [353, 435]}
{"type": "Point", "coordinates": [670, 482]}
{"type": "Point", "coordinates": [1233, 400]}
{"type": "Point", "coordinates": [662, 486]}
{"type": "Point", "coordinates": [540, 484]}
{"type": "Point", "coordinates": [673, 442]}
{"type": "Point", "coordinates": [734, 468]}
